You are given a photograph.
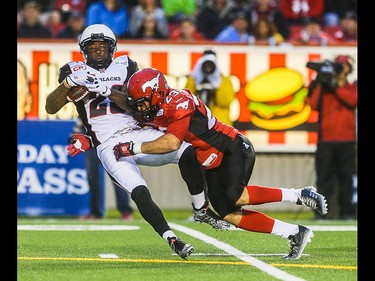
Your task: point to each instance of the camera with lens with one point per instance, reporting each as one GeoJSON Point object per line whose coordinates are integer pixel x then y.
{"type": "Point", "coordinates": [208, 67]}
{"type": "Point", "coordinates": [205, 90]}
{"type": "Point", "coordinates": [327, 71]}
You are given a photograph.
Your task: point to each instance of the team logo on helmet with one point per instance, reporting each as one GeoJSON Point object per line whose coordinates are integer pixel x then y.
{"type": "Point", "coordinates": [153, 84]}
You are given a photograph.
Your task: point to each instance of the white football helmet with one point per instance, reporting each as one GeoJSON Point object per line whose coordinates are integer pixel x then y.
{"type": "Point", "coordinates": [98, 32]}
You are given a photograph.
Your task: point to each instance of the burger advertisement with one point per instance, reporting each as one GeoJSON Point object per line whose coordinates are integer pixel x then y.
{"type": "Point", "coordinates": [277, 99]}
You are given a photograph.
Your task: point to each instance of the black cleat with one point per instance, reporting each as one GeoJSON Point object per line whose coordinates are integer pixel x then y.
{"type": "Point", "coordinates": [310, 198]}
{"type": "Point", "coordinates": [298, 242]}
{"type": "Point", "coordinates": [206, 215]}
{"type": "Point", "coordinates": [181, 248]}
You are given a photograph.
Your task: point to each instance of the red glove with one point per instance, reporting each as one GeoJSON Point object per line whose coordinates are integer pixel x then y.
{"type": "Point", "coordinates": [79, 143]}
{"type": "Point", "coordinates": [123, 149]}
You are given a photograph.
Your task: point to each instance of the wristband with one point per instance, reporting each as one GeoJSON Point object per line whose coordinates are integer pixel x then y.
{"type": "Point", "coordinates": [91, 142]}
{"type": "Point", "coordinates": [137, 148]}
{"type": "Point", "coordinates": [66, 84]}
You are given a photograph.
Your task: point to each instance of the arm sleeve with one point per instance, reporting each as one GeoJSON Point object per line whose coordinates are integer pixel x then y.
{"type": "Point", "coordinates": [63, 72]}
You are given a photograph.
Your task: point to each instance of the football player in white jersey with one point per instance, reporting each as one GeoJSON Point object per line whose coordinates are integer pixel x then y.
{"type": "Point", "coordinates": [107, 124]}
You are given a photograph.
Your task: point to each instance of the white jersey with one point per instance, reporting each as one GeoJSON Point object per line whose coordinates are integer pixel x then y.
{"type": "Point", "coordinates": [101, 116]}
{"type": "Point", "coordinates": [108, 125]}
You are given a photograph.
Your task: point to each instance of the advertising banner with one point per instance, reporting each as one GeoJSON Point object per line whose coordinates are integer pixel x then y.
{"type": "Point", "coordinates": [285, 123]}
{"type": "Point", "coordinates": [49, 181]}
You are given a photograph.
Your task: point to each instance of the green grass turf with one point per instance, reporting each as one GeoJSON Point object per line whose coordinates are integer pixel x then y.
{"type": "Point", "coordinates": [144, 256]}
{"type": "Point", "coordinates": [184, 214]}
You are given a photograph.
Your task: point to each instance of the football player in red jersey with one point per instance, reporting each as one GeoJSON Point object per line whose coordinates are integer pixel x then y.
{"type": "Point", "coordinates": [226, 155]}
{"type": "Point", "coordinates": [107, 124]}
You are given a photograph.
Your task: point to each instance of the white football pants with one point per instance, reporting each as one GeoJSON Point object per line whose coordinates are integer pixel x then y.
{"type": "Point", "coordinates": [126, 170]}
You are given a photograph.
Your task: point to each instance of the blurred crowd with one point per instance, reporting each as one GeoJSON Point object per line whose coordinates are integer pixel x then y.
{"type": "Point", "coordinates": [268, 22]}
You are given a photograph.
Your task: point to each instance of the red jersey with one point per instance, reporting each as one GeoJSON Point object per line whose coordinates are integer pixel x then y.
{"type": "Point", "coordinates": [337, 113]}
{"type": "Point", "coordinates": [189, 119]}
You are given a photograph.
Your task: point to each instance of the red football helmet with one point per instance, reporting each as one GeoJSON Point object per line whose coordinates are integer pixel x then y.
{"type": "Point", "coordinates": [150, 85]}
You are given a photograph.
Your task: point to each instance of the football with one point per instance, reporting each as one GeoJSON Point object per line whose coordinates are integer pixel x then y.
{"type": "Point", "coordinates": [77, 93]}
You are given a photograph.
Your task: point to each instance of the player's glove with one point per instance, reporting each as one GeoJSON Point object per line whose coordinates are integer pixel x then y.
{"type": "Point", "coordinates": [123, 149]}
{"type": "Point", "coordinates": [79, 143]}
{"type": "Point", "coordinates": [77, 78]}
{"type": "Point", "coordinates": [94, 85]}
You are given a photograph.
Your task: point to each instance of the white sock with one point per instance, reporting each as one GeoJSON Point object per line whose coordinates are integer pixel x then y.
{"type": "Point", "coordinates": [168, 233]}
{"type": "Point", "coordinates": [290, 195]}
{"type": "Point", "coordinates": [198, 200]}
{"type": "Point", "coordinates": [284, 229]}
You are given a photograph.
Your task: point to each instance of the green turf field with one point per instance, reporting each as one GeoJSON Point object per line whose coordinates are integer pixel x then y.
{"type": "Point", "coordinates": [98, 250]}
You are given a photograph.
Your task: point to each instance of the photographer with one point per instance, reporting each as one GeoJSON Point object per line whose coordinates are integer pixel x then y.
{"type": "Point", "coordinates": [210, 85]}
{"type": "Point", "coordinates": [335, 99]}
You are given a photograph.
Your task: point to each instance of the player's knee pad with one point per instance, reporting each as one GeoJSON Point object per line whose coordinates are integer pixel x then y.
{"type": "Point", "coordinates": [141, 194]}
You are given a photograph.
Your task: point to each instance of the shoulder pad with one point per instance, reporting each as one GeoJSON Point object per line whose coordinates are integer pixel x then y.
{"type": "Point", "coordinates": [77, 65]}
{"type": "Point", "coordinates": [70, 67]}
{"type": "Point", "coordinates": [63, 72]}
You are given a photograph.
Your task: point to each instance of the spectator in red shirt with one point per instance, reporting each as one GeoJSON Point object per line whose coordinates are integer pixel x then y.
{"type": "Point", "coordinates": [186, 31]}
{"type": "Point", "coordinates": [300, 11]}
{"type": "Point", "coordinates": [311, 33]}
{"type": "Point", "coordinates": [335, 99]}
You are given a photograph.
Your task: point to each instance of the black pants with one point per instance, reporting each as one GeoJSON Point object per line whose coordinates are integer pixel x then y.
{"type": "Point", "coordinates": [225, 183]}
{"type": "Point", "coordinates": [335, 165]}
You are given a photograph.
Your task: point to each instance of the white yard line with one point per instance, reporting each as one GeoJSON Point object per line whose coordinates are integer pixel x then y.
{"type": "Point", "coordinates": [76, 227]}
{"type": "Point", "coordinates": [245, 255]}
{"type": "Point", "coordinates": [275, 272]}
{"type": "Point", "coordinates": [108, 256]}
{"type": "Point", "coordinates": [333, 227]}
{"type": "Point", "coordinates": [317, 228]}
